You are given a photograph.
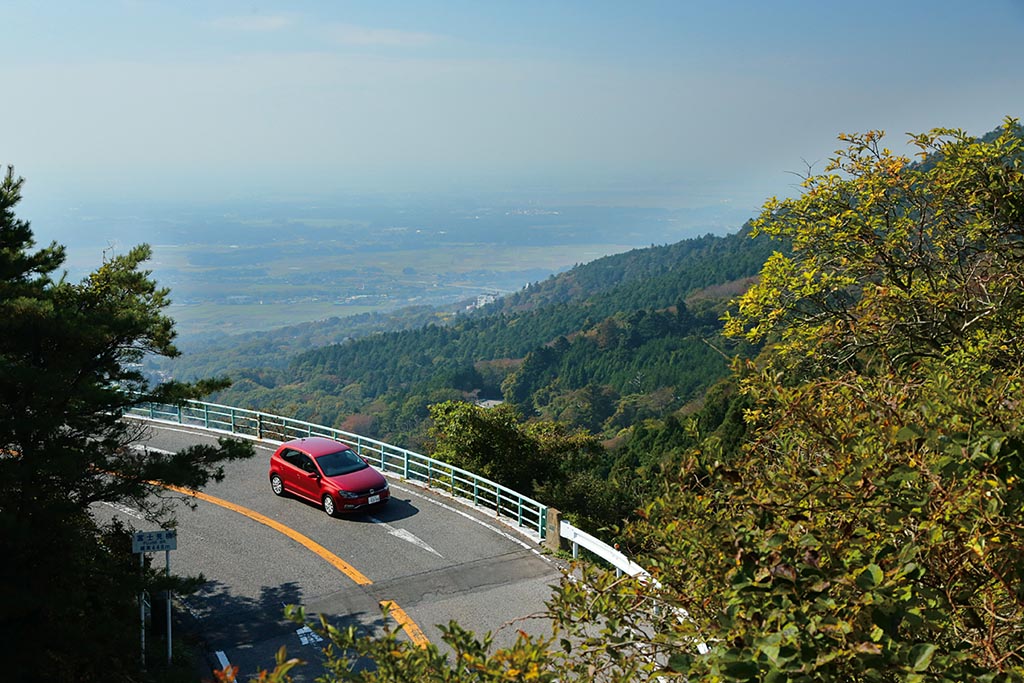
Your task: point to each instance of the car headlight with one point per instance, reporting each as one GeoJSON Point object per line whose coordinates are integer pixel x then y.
{"type": "Point", "coordinates": [347, 494]}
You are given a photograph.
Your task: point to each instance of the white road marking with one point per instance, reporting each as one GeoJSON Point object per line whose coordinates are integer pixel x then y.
{"type": "Point", "coordinates": [131, 512]}
{"type": "Point", "coordinates": [405, 489]}
{"type": "Point", "coordinates": [405, 535]}
{"type": "Point", "coordinates": [168, 427]}
{"type": "Point", "coordinates": [470, 517]}
{"type": "Point", "coordinates": [307, 636]}
{"type": "Point", "coordinates": [141, 447]}
{"type": "Point", "coordinates": [222, 659]}
{"type": "Point", "coordinates": [397, 533]}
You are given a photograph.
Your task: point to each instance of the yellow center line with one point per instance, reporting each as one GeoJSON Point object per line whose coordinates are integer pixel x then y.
{"type": "Point", "coordinates": [408, 625]}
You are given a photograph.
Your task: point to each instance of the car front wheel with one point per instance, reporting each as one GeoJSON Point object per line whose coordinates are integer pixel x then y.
{"type": "Point", "coordinates": [329, 505]}
{"type": "Point", "coordinates": [277, 485]}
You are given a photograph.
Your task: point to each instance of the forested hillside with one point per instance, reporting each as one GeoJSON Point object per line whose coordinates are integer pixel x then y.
{"type": "Point", "coordinates": [222, 354]}
{"type": "Point", "coordinates": [868, 527]}
{"type": "Point", "coordinates": [632, 330]}
{"type": "Point", "coordinates": [655, 277]}
{"type": "Point", "coordinates": [625, 345]}
{"type": "Point", "coordinates": [69, 358]}
{"type": "Point", "coordinates": [847, 505]}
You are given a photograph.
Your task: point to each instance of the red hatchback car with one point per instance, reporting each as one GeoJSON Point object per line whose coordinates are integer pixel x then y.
{"type": "Point", "coordinates": [328, 473]}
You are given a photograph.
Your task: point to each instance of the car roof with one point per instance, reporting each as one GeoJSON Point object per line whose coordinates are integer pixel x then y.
{"type": "Point", "coordinates": [315, 446]}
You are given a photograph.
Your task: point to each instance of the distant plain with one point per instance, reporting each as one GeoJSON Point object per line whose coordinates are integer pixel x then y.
{"type": "Point", "coordinates": [311, 283]}
{"type": "Point", "coordinates": [237, 267]}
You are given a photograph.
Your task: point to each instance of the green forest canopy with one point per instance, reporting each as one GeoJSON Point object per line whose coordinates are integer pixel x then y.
{"type": "Point", "coordinates": [69, 366]}
{"type": "Point", "coordinates": [869, 529]}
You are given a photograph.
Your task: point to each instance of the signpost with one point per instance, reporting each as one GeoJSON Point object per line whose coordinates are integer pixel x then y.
{"type": "Point", "coordinates": [151, 542]}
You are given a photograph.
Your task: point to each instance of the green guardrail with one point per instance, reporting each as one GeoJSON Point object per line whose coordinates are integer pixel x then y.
{"type": "Point", "coordinates": [525, 513]}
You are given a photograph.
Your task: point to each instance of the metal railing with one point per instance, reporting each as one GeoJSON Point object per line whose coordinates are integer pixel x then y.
{"type": "Point", "coordinates": [622, 564]}
{"type": "Point", "coordinates": [528, 515]}
{"type": "Point", "coordinates": [578, 538]}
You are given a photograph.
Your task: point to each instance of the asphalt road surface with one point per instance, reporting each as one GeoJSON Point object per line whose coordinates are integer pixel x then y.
{"type": "Point", "coordinates": [433, 559]}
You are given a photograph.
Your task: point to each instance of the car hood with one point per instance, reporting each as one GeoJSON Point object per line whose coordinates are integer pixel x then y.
{"type": "Point", "coordinates": [362, 480]}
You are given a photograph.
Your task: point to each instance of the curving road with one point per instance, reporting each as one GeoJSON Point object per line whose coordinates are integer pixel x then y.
{"type": "Point", "coordinates": [430, 557]}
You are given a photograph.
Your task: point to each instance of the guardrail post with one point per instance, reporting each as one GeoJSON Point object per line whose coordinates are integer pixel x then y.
{"type": "Point", "coordinates": [233, 428]}
{"type": "Point", "coordinates": [259, 425]}
{"type": "Point", "coordinates": [206, 415]}
{"type": "Point", "coordinates": [551, 532]}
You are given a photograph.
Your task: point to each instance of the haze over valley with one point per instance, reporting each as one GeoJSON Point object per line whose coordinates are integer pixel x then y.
{"type": "Point", "coordinates": [245, 266]}
{"type": "Point", "coordinates": [734, 287]}
{"type": "Point", "coordinates": [326, 159]}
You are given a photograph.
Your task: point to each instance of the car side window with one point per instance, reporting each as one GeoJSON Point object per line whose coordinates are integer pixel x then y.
{"type": "Point", "coordinates": [306, 463]}
{"type": "Point", "coordinates": [292, 457]}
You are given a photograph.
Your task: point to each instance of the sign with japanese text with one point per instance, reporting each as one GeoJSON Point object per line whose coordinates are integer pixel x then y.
{"type": "Point", "coordinates": [154, 541]}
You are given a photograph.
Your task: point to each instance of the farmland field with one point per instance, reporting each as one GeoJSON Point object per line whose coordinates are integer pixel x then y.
{"type": "Point", "coordinates": [248, 266]}
{"type": "Point", "coordinates": [214, 290]}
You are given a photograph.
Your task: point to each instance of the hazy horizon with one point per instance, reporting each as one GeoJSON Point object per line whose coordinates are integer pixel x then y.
{"type": "Point", "coordinates": [658, 104]}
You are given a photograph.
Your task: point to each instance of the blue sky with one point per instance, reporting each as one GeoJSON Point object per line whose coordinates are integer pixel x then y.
{"type": "Point", "coordinates": [669, 103]}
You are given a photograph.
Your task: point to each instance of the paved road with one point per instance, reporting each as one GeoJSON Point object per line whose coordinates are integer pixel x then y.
{"type": "Point", "coordinates": [435, 559]}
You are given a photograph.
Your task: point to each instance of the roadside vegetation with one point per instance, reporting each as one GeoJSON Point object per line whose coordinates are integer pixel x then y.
{"type": "Point", "coordinates": [810, 433]}
{"type": "Point", "coordinates": [867, 524]}
{"type": "Point", "coordinates": [69, 365]}
{"type": "Point", "coordinates": [615, 358]}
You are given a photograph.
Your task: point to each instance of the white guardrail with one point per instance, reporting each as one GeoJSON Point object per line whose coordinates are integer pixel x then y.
{"type": "Point", "coordinates": [578, 537]}
{"type": "Point", "coordinates": [527, 515]}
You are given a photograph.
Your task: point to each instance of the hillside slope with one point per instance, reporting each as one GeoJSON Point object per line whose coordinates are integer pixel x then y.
{"type": "Point", "coordinates": [623, 337]}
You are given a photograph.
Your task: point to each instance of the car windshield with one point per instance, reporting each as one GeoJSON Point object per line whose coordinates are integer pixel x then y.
{"type": "Point", "coordinates": [340, 462]}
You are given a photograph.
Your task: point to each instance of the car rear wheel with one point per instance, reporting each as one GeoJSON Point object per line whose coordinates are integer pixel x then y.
{"type": "Point", "coordinates": [277, 485]}
{"type": "Point", "coordinates": [329, 505]}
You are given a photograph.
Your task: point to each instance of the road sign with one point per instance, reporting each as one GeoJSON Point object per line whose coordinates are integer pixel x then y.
{"type": "Point", "coordinates": [143, 542]}
{"type": "Point", "coordinates": [154, 541]}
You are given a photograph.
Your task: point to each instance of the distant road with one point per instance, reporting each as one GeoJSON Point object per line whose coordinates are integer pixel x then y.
{"type": "Point", "coordinates": [431, 557]}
